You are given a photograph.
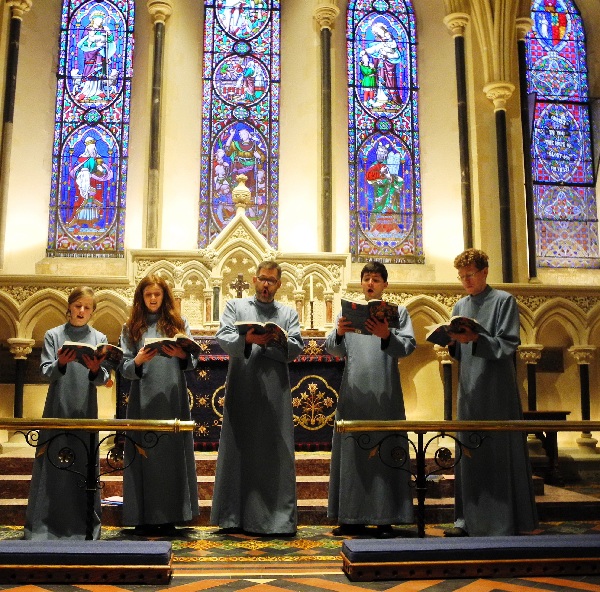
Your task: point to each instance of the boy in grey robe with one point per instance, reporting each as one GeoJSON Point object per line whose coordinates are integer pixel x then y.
{"type": "Point", "coordinates": [362, 489]}
{"type": "Point", "coordinates": [494, 489]}
{"type": "Point", "coordinates": [255, 482]}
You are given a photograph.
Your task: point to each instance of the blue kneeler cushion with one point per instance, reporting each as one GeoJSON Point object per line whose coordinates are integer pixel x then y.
{"type": "Point", "coordinates": [63, 561]}
{"type": "Point", "coordinates": [469, 557]}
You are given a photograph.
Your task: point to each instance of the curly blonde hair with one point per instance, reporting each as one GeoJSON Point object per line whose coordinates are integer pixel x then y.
{"type": "Point", "coordinates": [471, 256]}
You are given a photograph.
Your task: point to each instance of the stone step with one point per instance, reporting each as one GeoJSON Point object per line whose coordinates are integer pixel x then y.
{"type": "Point", "coordinates": [557, 504]}
{"type": "Point", "coordinates": [17, 486]}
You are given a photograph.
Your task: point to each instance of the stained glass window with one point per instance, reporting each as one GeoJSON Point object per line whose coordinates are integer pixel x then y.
{"type": "Point", "coordinates": [566, 219]}
{"type": "Point", "coordinates": [91, 137]}
{"type": "Point", "coordinates": [385, 185]}
{"type": "Point", "coordinates": [240, 114]}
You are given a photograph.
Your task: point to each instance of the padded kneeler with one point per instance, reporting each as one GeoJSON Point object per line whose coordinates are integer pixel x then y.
{"type": "Point", "coordinates": [64, 561]}
{"type": "Point", "coordinates": [471, 557]}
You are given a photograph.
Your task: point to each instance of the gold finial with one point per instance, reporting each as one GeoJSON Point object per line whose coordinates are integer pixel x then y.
{"type": "Point", "coordinates": [240, 195]}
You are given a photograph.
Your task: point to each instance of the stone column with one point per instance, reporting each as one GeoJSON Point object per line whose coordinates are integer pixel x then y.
{"type": "Point", "coordinates": [494, 26]}
{"type": "Point", "coordinates": [499, 93]}
{"type": "Point", "coordinates": [457, 23]}
{"type": "Point", "coordinates": [325, 14]}
{"type": "Point", "coordinates": [583, 355]}
{"type": "Point", "coordinates": [328, 297]}
{"type": "Point", "coordinates": [445, 361]}
{"type": "Point", "coordinates": [208, 305]}
{"type": "Point", "coordinates": [217, 284]}
{"type": "Point", "coordinates": [178, 294]}
{"type": "Point", "coordinates": [299, 299]}
{"type": "Point", "coordinates": [531, 355]}
{"type": "Point", "coordinates": [159, 10]}
{"type": "Point", "coordinates": [523, 27]}
{"type": "Point", "coordinates": [18, 8]}
{"type": "Point", "coordinates": [20, 349]}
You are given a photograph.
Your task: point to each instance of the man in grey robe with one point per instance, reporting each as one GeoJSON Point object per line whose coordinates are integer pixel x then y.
{"type": "Point", "coordinates": [367, 489]}
{"type": "Point", "coordinates": [255, 481]}
{"type": "Point", "coordinates": [493, 489]}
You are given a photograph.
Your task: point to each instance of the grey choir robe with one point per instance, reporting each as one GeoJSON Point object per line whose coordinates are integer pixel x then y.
{"type": "Point", "coordinates": [57, 506]}
{"type": "Point", "coordinates": [160, 487]}
{"type": "Point", "coordinates": [255, 482]}
{"type": "Point", "coordinates": [494, 490]}
{"type": "Point", "coordinates": [362, 489]}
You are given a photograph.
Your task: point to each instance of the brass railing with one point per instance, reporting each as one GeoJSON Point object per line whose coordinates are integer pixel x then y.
{"type": "Point", "coordinates": [393, 455]}
{"type": "Point", "coordinates": [97, 425]}
{"type": "Point", "coordinates": [62, 438]}
{"type": "Point", "coordinates": [445, 426]}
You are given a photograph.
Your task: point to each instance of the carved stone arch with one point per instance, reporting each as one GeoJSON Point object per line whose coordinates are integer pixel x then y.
{"type": "Point", "coordinates": [567, 315]}
{"type": "Point", "coordinates": [430, 307]}
{"type": "Point", "coordinates": [425, 310]}
{"type": "Point", "coordinates": [194, 275]}
{"type": "Point", "coordinates": [527, 323]}
{"type": "Point", "coordinates": [110, 315]}
{"type": "Point", "coordinates": [45, 309]}
{"type": "Point", "coordinates": [594, 328]}
{"type": "Point", "coordinates": [243, 255]}
{"type": "Point", "coordinates": [9, 318]}
{"type": "Point", "coordinates": [162, 267]}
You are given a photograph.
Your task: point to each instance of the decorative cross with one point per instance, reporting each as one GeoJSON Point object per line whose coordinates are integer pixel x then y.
{"type": "Point", "coordinates": [239, 285]}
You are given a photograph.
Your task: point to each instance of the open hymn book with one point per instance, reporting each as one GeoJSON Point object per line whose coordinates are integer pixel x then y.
{"type": "Point", "coordinates": [438, 334]}
{"type": "Point", "coordinates": [183, 341]}
{"type": "Point", "coordinates": [279, 336]}
{"type": "Point", "coordinates": [358, 312]}
{"type": "Point", "coordinates": [111, 353]}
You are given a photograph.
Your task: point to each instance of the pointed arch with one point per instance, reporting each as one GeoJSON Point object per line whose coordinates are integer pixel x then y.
{"type": "Point", "coordinates": [91, 138]}
{"type": "Point", "coordinates": [566, 218]}
{"type": "Point", "coordinates": [383, 128]}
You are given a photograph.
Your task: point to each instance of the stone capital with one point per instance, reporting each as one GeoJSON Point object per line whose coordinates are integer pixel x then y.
{"type": "Point", "coordinates": [18, 8]}
{"type": "Point", "coordinates": [325, 13]}
{"type": "Point", "coordinates": [531, 353]}
{"type": "Point", "coordinates": [160, 10]}
{"type": "Point", "coordinates": [499, 93]}
{"type": "Point", "coordinates": [457, 23]}
{"type": "Point", "coordinates": [583, 354]}
{"type": "Point", "coordinates": [20, 348]}
{"type": "Point", "coordinates": [524, 25]}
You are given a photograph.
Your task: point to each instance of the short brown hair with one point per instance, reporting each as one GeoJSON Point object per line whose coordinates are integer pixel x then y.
{"type": "Point", "coordinates": [471, 256]}
{"type": "Point", "coordinates": [269, 265]}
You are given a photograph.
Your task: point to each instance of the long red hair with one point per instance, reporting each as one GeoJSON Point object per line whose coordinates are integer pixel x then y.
{"type": "Point", "coordinates": [169, 323]}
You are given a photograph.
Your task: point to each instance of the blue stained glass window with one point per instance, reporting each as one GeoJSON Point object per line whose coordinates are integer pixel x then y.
{"type": "Point", "coordinates": [91, 138]}
{"type": "Point", "coordinates": [385, 185]}
{"type": "Point", "coordinates": [566, 219]}
{"type": "Point", "coordinates": [240, 114]}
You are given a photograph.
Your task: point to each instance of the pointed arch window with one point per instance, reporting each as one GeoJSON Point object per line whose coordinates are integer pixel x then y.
{"type": "Point", "coordinates": [240, 114]}
{"type": "Point", "coordinates": [566, 220]}
{"type": "Point", "coordinates": [91, 138]}
{"type": "Point", "coordinates": [385, 184]}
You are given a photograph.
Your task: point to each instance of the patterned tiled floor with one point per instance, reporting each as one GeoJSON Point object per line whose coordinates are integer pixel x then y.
{"type": "Point", "coordinates": [206, 560]}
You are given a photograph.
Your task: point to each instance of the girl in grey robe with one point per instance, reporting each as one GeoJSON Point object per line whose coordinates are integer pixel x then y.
{"type": "Point", "coordinates": [160, 487]}
{"type": "Point", "coordinates": [58, 502]}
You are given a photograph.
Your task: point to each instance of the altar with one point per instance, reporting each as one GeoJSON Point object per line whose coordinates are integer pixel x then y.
{"type": "Point", "coordinates": [315, 378]}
